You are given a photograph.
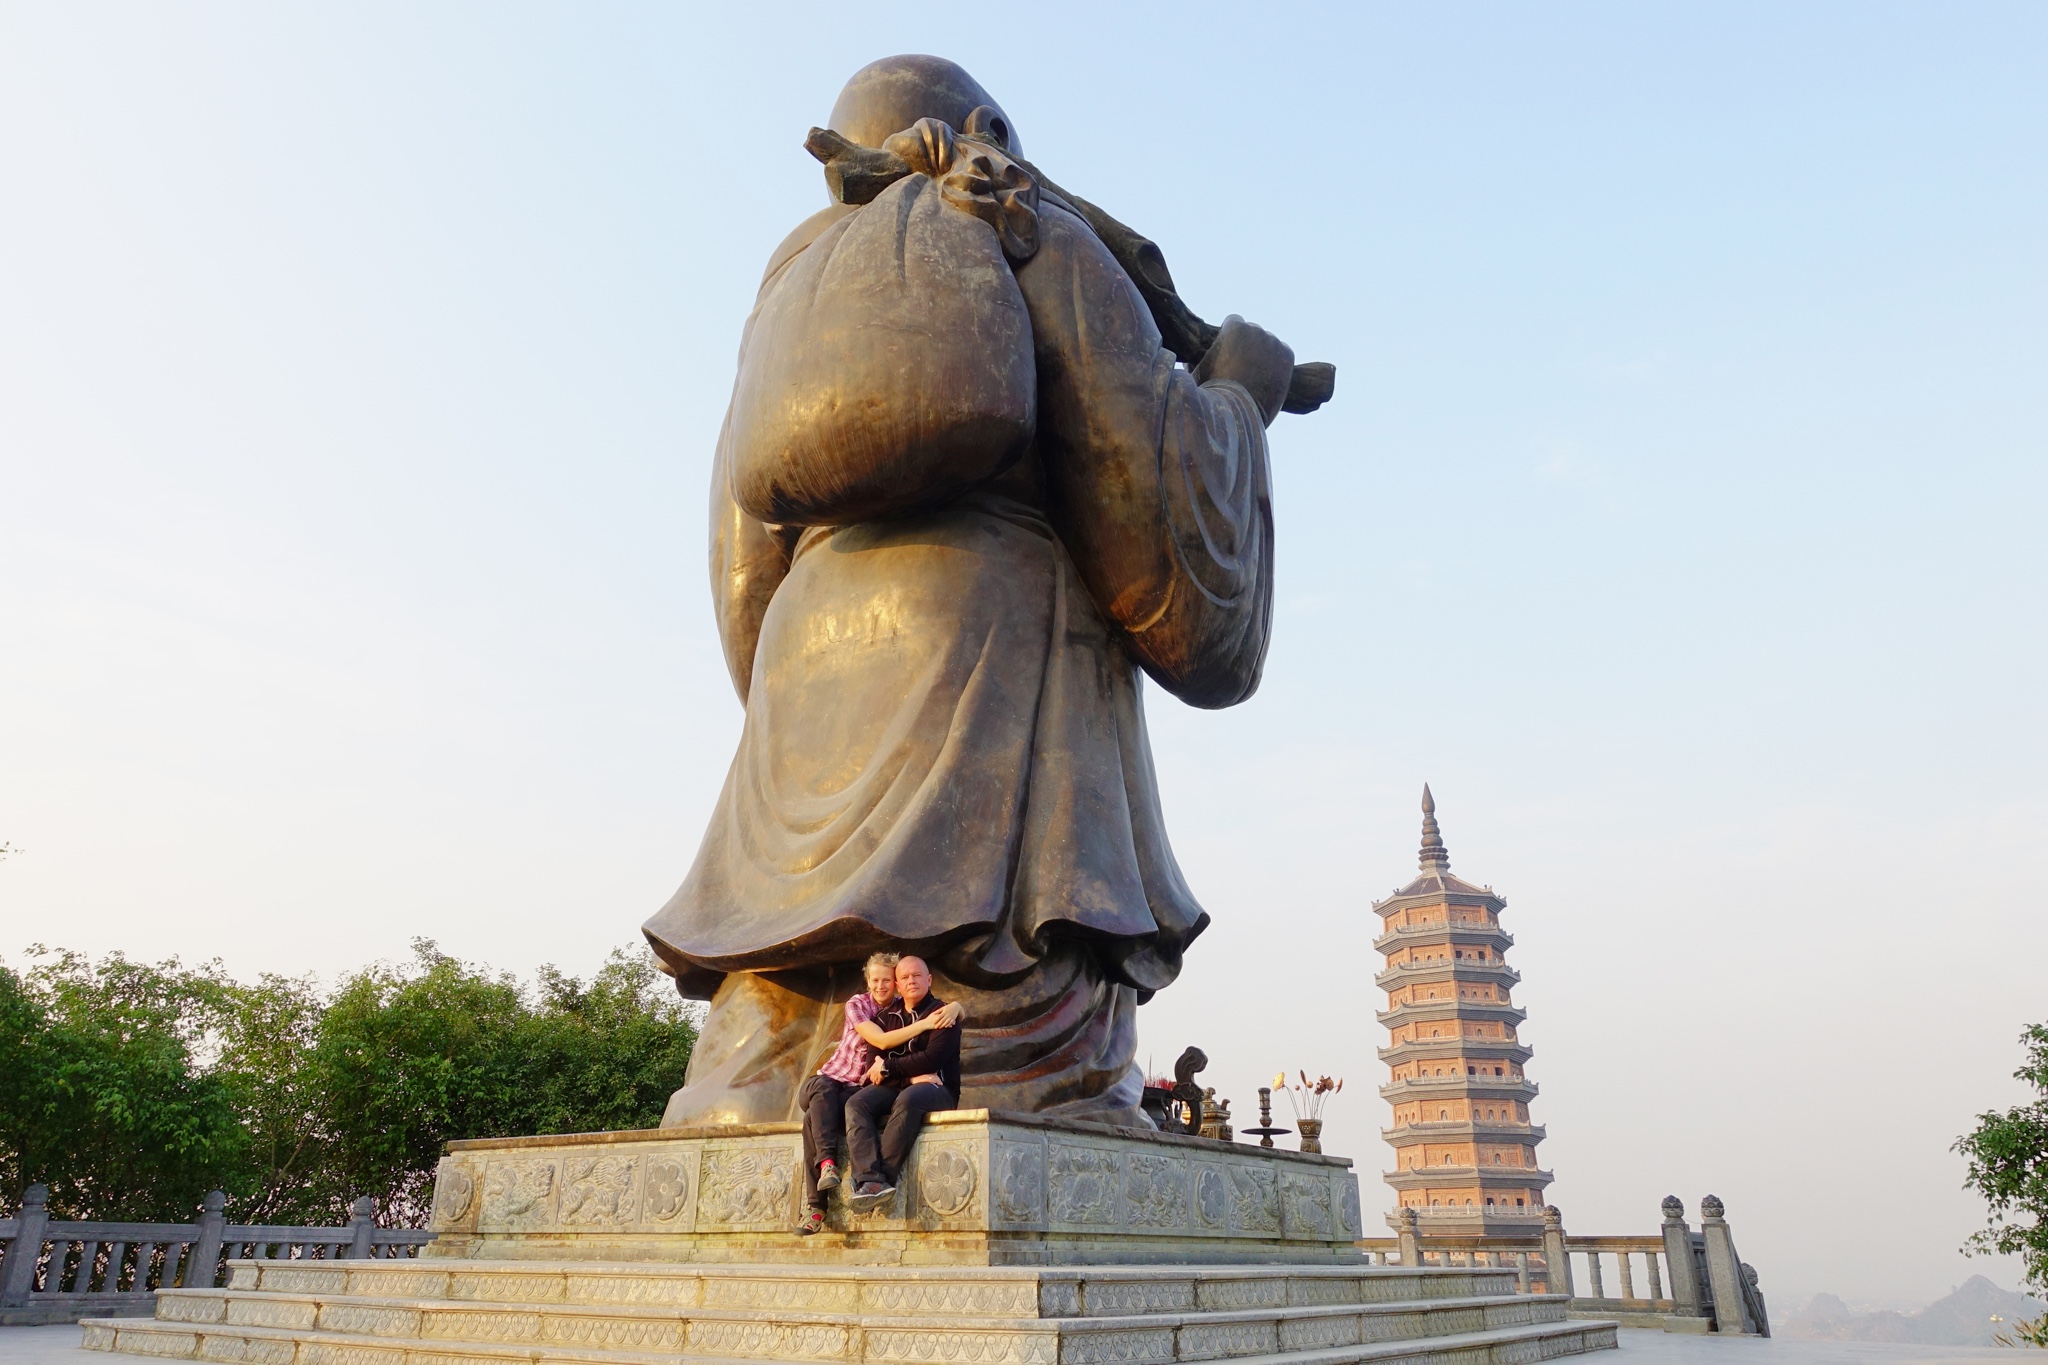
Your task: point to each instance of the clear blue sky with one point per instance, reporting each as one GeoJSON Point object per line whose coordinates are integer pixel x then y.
{"type": "Point", "coordinates": [1679, 518]}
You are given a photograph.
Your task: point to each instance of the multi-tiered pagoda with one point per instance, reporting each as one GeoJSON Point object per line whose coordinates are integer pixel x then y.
{"type": "Point", "coordinates": [1464, 1149]}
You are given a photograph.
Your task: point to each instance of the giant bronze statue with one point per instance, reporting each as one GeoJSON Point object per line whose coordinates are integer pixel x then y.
{"type": "Point", "coordinates": [981, 466]}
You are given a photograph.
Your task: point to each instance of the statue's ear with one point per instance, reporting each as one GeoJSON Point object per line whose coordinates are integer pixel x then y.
{"type": "Point", "coordinates": [987, 125]}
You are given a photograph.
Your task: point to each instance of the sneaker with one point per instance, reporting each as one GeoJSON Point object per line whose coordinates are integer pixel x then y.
{"type": "Point", "coordinates": [828, 1176]}
{"type": "Point", "coordinates": [869, 1196]}
{"type": "Point", "coordinates": [814, 1221]}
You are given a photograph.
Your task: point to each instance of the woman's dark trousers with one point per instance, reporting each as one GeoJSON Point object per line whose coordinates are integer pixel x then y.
{"type": "Point", "coordinates": [823, 1102]}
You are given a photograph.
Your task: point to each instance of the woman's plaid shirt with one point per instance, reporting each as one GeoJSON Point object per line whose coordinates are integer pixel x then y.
{"type": "Point", "coordinates": [849, 1063]}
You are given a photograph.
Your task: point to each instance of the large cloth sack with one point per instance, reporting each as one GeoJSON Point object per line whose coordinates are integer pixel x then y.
{"type": "Point", "coordinates": [890, 366]}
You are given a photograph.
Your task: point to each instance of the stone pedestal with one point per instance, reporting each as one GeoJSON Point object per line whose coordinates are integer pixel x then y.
{"type": "Point", "coordinates": [982, 1188]}
{"type": "Point", "coordinates": [1012, 1241]}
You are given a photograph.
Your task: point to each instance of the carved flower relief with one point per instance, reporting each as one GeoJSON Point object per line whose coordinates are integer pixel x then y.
{"type": "Point", "coordinates": [1354, 1221]}
{"type": "Point", "coordinates": [1212, 1198]}
{"type": "Point", "coordinates": [518, 1195]}
{"type": "Point", "coordinates": [1155, 1192]}
{"type": "Point", "coordinates": [668, 1189]}
{"type": "Point", "coordinates": [454, 1195]}
{"type": "Point", "coordinates": [1083, 1184]}
{"type": "Point", "coordinates": [1020, 1184]}
{"type": "Point", "coordinates": [946, 1177]}
{"type": "Point", "coordinates": [598, 1189]}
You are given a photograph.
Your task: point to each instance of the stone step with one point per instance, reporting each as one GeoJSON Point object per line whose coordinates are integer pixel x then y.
{"type": "Point", "coordinates": [838, 1334]}
{"type": "Point", "coordinates": [1001, 1291]}
{"type": "Point", "coordinates": [1079, 1342]}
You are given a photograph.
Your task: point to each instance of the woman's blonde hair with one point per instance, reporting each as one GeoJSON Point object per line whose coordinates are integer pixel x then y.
{"type": "Point", "coordinates": [887, 961]}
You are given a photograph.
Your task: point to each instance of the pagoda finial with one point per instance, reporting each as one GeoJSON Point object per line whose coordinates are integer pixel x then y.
{"type": "Point", "coordinates": [1435, 857]}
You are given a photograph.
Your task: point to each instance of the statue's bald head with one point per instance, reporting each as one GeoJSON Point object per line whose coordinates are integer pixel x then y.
{"type": "Point", "coordinates": [888, 96]}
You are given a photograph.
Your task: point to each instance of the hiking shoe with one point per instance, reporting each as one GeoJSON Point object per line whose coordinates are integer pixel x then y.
{"type": "Point", "coordinates": [828, 1176]}
{"type": "Point", "coordinates": [869, 1196]}
{"type": "Point", "coordinates": [814, 1221]}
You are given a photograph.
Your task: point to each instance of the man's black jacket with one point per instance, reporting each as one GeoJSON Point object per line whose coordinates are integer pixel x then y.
{"type": "Point", "coordinates": [936, 1052]}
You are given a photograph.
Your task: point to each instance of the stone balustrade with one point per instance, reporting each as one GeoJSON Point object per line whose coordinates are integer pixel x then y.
{"type": "Point", "coordinates": [54, 1271]}
{"type": "Point", "coordinates": [1691, 1281]}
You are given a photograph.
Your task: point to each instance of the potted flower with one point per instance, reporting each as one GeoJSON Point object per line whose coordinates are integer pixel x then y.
{"type": "Point", "coordinates": [1307, 1098]}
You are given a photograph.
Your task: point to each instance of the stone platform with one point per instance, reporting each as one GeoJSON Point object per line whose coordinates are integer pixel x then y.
{"type": "Point", "coordinates": [450, 1312]}
{"type": "Point", "coordinates": [981, 1188]}
{"type": "Point", "coordinates": [1012, 1240]}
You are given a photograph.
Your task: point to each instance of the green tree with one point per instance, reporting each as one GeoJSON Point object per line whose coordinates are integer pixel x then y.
{"type": "Point", "coordinates": [104, 1095]}
{"type": "Point", "coordinates": [131, 1089]}
{"type": "Point", "coordinates": [408, 1059]}
{"type": "Point", "coordinates": [2008, 1165]}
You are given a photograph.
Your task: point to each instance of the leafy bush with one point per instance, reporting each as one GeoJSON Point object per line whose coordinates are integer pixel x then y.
{"type": "Point", "coordinates": [131, 1088]}
{"type": "Point", "coordinates": [2008, 1165]}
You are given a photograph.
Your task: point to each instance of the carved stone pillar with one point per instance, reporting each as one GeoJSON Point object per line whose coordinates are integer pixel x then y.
{"type": "Point", "coordinates": [1411, 1245]}
{"type": "Point", "coordinates": [1557, 1261]}
{"type": "Point", "coordinates": [18, 1275]}
{"type": "Point", "coordinates": [1724, 1272]}
{"type": "Point", "coordinates": [1678, 1259]}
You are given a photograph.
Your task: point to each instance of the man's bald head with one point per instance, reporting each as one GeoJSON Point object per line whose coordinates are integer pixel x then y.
{"type": "Point", "coordinates": [885, 97]}
{"type": "Point", "coordinates": [913, 981]}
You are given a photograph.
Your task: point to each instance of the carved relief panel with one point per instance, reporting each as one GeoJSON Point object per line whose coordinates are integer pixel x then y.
{"type": "Point", "coordinates": [600, 1191]}
{"type": "Point", "coordinates": [455, 1195]}
{"type": "Point", "coordinates": [668, 1190]}
{"type": "Point", "coordinates": [1082, 1184]}
{"type": "Point", "coordinates": [519, 1195]}
{"type": "Point", "coordinates": [746, 1184]}
{"type": "Point", "coordinates": [1018, 1170]}
{"type": "Point", "coordinates": [948, 1180]}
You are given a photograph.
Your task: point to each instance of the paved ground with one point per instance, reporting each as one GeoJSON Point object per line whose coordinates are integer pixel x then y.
{"type": "Point", "coordinates": [59, 1346]}
{"type": "Point", "coordinates": [1658, 1348]}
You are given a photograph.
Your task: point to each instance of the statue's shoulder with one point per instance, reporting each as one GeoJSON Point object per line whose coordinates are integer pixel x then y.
{"type": "Point", "coordinates": [801, 236]}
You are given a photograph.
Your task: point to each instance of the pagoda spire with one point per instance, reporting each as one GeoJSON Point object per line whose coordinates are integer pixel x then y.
{"type": "Point", "coordinates": [1435, 857]}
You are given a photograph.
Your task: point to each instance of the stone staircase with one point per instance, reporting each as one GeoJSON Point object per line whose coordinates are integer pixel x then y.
{"type": "Point", "coordinates": [447, 1312]}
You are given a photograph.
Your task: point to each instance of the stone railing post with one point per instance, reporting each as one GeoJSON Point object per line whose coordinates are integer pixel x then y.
{"type": "Point", "coordinates": [360, 1227]}
{"type": "Point", "coordinates": [1411, 1242]}
{"type": "Point", "coordinates": [1558, 1261]}
{"type": "Point", "coordinates": [204, 1260]}
{"type": "Point", "coordinates": [18, 1277]}
{"type": "Point", "coordinates": [1724, 1272]}
{"type": "Point", "coordinates": [1685, 1280]}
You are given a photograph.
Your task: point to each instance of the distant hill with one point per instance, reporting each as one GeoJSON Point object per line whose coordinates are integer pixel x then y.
{"type": "Point", "coordinates": [1964, 1318]}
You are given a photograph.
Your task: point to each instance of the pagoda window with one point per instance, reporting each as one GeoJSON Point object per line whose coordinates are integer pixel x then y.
{"type": "Point", "coordinates": [1518, 1203]}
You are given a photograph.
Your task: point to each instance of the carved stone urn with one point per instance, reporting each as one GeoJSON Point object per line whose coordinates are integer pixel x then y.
{"type": "Point", "coordinates": [1311, 1134]}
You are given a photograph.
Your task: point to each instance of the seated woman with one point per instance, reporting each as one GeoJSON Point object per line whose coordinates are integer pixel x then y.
{"type": "Point", "coordinates": [823, 1097]}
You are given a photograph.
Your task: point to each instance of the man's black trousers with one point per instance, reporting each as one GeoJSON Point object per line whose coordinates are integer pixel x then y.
{"type": "Point", "coordinates": [823, 1102]}
{"type": "Point", "coordinates": [904, 1111]}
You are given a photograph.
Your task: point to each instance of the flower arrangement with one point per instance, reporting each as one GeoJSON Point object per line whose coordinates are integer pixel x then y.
{"type": "Point", "coordinates": [1308, 1097]}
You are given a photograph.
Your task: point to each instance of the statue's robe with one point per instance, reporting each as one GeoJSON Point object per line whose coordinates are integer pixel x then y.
{"type": "Point", "coordinates": [945, 745]}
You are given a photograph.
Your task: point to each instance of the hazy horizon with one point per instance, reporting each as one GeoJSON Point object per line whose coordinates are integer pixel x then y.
{"type": "Point", "coordinates": [1676, 519]}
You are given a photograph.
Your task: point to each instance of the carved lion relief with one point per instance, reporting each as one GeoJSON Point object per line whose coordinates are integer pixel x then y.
{"type": "Point", "coordinates": [518, 1195]}
{"type": "Point", "coordinates": [598, 1190]}
{"type": "Point", "coordinates": [745, 1185]}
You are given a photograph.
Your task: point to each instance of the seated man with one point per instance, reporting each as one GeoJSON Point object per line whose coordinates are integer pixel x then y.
{"type": "Point", "coordinates": [905, 1083]}
{"type": "Point", "coordinates": [823, 1096]}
